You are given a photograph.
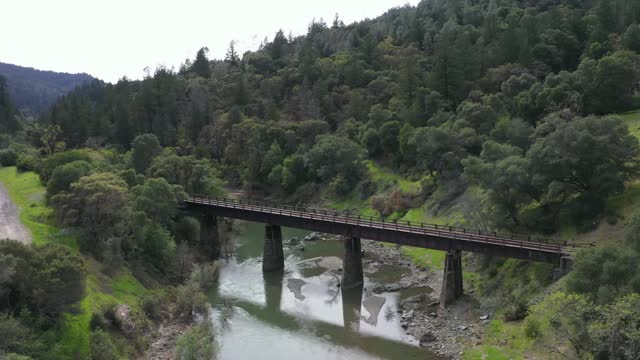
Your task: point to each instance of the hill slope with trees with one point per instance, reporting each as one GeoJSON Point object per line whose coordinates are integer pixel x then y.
{"type": "Point", "coordinates": [503, 110]}
{"type": "Point", "coordinates": [35, 90]}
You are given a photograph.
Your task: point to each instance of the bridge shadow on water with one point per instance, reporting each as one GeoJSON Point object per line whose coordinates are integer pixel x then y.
{"type": "Point", "coordinates": [349, 335]}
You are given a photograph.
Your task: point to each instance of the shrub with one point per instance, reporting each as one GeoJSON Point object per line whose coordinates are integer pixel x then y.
{"type": "Point", "coordinates": [197, 344]}
{"type": "Point", "coordinates": [187, 229]}
{"type": "Point", "coordinates": [64, 175]}
{"type": "Point", "coordinates": [366, 189]}
{"type": "Point", "coordinates": [28, 163]}
{"type": "Point", "coordinates": [17, 338]}
{"type": "Point", "coordinates": [190, 299]}
{"type": "Point", "coordinates": [427, 186]}
{"type": "Point", "coordinates": [52, 162]}
{"type": "Point", "coordinates": [153, 305]}
{"type": "Point", "coordinates": [48, 278]}
{"type": "Point", "coordinates": [532, 328]}
{"type": "Point", "coordinates": [380, 204]}
{"type": "Point", "coordinates": [8, 157]}
{"type": "Point", "coordinates": [102, 347]}
{"type": "Point", "coordinates": [518, 310]}
{"type": "Point", "coordinates": [605, 273]}
{"type": "Point", "coordinates": [396, 201]}
{"type": "Point", "coordinates": [340, 186]}
{"type": "Point", "coordinates": [203, 275]}
{"type": "Point", "coordinates": [103, 318]}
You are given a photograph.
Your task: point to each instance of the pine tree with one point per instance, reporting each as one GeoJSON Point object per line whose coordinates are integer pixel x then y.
{"type": "Point", "coordinates": [201, 65]}
{"type": "Point", "coordinates": [8, 121]}
{"type": "Point", "coordinates": [605, 13]}
{"type": "Point", "coordinates": [448, 72]}
{"type": "Point", "coordinates": [277, 47]}
{"type": "Point", "coordinates": [232, 56]}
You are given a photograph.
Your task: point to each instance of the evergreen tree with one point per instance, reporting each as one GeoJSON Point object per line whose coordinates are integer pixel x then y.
{"type": "Point", "coordinates": [631, 38]}
{"type": "Point", "coordinates": [232, 56]}
{"type": "Point", "coordinates": [277, 48]}
{"type": "Point", "coordinates": [201, 64]}
{"type": "Point", "coordinates": [606, 17]}
{"type": "Point", "coordinates": [144, 149]}
{"type": "Point", "coordinates": [448, 70]}
{"type": "Point", "coordinates": [8, 121]}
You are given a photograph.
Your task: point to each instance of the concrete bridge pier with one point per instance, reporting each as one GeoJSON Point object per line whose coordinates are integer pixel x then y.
{"type": "Point", "coordinates": [452, 278]}
{"type": "Point", "coordinates": [273, 255]}
{"type": "Point", "coordinates": [352, 263]}
{"type": "Point", "coordinates": [209, 242]}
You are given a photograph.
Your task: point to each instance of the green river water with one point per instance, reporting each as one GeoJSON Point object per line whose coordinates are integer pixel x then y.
{"type": "Point", "coordinates": [300, 313]}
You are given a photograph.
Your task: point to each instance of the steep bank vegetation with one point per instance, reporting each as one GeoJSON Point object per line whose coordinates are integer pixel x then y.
{"type": "Point", "coordinates": [45, 320]}
{"type": "Point", "coordinates": [495, 114]}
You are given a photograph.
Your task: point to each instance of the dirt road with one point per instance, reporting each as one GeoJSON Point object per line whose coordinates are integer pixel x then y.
{"type": "Point", "coordinates": [10, 225]}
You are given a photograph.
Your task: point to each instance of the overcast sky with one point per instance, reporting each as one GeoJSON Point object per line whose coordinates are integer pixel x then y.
{"type": "Point", "coordinates": [112, 38]}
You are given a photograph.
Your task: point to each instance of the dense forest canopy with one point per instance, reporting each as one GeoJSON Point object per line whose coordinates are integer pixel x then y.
{"type": "Point", "coordinates": [453, 89]}
{"type": "Point", "coordinates": [34, 91]}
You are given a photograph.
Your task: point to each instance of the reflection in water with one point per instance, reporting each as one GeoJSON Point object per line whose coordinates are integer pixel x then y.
{"type": "Point", "coordinates": [312, 318]}
{"type": "Point", "coordinates": [351, 304]}
{"type": "Point", "coordinates": [273, 289]}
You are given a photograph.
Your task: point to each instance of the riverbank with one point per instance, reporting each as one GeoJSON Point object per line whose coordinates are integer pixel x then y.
{"type": "Point", "coordinates": [72, 338]}
{"type": "Point", "coordinates": [443, 331]}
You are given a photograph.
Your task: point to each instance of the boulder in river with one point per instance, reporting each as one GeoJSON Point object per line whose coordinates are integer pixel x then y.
{"type": "Point", "coordinates": [293, 241]}
{"type": "Point", "coordinates": [314, 236]}
{"type": "Point", "coordinates": [427, 338]}
{"type": "Point", "coordinates": [380, 288]}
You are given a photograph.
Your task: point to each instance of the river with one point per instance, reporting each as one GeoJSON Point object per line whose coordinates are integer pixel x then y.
{"type": "Point", "coordinates": [301, 313]}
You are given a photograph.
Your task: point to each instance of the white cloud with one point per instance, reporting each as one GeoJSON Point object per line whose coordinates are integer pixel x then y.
{"type": "Point", "coordinates": [112, 38]}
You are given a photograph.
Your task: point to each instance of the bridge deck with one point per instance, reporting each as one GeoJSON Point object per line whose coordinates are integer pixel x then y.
{"type": "Point", "coordinates": [400, 232]}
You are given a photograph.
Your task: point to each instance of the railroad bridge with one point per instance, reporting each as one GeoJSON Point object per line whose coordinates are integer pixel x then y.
{"type": "Point", "coordinates": [451, 239]}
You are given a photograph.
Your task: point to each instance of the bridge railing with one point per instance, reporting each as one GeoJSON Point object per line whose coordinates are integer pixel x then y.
{"type": "Point", "coordinates": [283, 209]}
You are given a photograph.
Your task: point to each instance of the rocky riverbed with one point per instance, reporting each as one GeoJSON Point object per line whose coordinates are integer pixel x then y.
{"type": "Point", "coordinates": [443, 331]}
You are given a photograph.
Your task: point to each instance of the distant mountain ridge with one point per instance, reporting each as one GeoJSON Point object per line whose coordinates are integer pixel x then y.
{"type": "Point", "coordinates": [32, 90]}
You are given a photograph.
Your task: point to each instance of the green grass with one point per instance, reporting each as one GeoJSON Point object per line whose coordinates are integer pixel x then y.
{"type": "Point", "coordinates": [502, 341]}
{"type": "Point", "coordinates": [26, 191]}
{"type": "Point", "coordinates": [429, 258]}
{"type": "Point", "coordinates": [628, 202]}
{"type": "Point", "coordinates": [623, 205]}
{"type": "Point", "coordinates": [485, 353]}
{"type": "Point", "coordinates": [75, 331]}
{"type": "Point", "coordinates": [426, 258]}
{"type": "Point", "coordinates": [632, 119]}
{"type": "Point", "coordinates": [126, 288]}
{"type": "Point", "coordinates": [353, 204]}
{"type": "Point", "coordinates": [386, 178]}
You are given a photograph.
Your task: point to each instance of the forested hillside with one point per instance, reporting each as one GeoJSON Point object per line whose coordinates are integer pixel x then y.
{"type": "Point", "coordinates": [463, 92]}
{"type": "Point", "coordinates": [504, 109]}
{"type": "Point", "coordinates": [35, 90]}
